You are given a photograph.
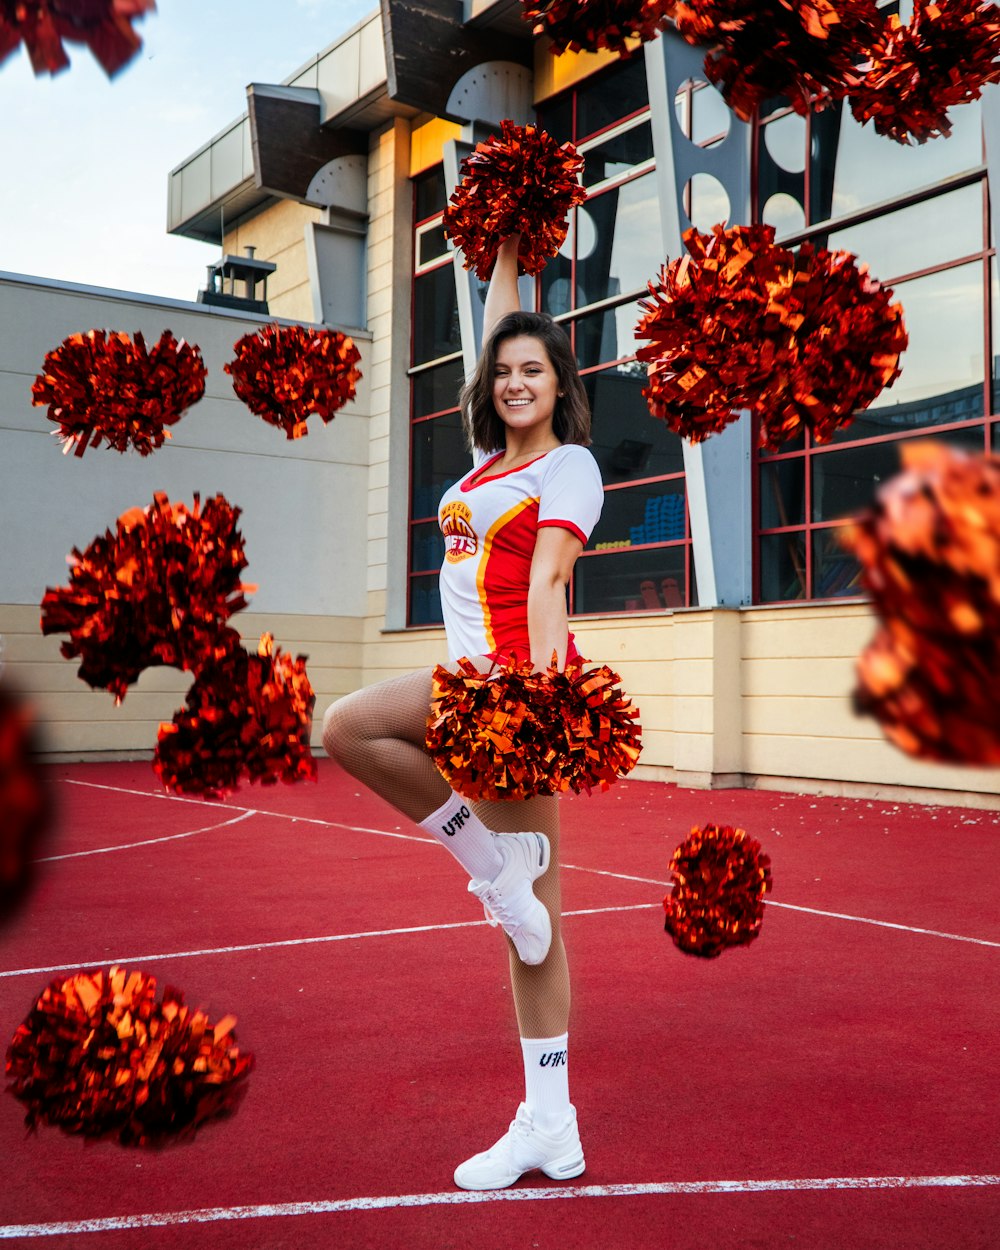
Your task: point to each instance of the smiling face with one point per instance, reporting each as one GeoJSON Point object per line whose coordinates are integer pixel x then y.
{"type": "Point", "coordinates": [525, 385]}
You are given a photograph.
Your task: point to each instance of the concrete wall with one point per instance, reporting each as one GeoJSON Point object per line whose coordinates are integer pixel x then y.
{"type": "Point", "coordinates": [278, 234]}
{"type": "Point", "coordinates": [302, 504]}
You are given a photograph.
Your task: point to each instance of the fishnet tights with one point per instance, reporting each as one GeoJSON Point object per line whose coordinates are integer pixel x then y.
{"type": "Point", "coordinates": [377, 735]}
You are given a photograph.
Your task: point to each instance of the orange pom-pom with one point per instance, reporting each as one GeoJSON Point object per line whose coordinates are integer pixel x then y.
{"type": "Point", "coordinates": [593, 25]}
{"type": "Point", "coordinates": [104, 25]}
{"type": "Point", "coordinates": [512, 733]}
{"type": "Point", "coordinates": [522, 183]}
{"type": "Point", "coordinates": [100, 1056]}
{"type": "Point", "coordinates": [930, 556]}
{"type": "Point", "coordinates": [720, 879]}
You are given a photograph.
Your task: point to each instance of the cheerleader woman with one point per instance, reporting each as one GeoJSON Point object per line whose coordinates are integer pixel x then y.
{"type": "Point", "coordinates": [513, 527]}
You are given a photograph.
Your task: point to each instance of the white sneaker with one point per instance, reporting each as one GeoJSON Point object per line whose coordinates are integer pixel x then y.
{"type": "Point", "coordinates": [521, 1149]}
{"type": "Point", "coordinates": [509, 899]}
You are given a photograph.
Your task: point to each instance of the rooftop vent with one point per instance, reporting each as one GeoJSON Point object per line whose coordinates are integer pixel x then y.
{"type": "Point", "coordinates": [233, 281]}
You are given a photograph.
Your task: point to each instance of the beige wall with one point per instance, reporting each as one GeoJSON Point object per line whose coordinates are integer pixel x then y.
{"type": "Point", "coordinates": [278, 234]}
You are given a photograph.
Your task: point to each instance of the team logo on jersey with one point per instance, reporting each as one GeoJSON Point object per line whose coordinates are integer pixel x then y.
{"type": "Point", "coordinates": [459, 537]}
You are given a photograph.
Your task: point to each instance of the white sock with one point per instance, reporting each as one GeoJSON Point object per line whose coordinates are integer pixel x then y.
{"type": "Point", "coordinates": [457, 827]}
{"type": "Point", "coordinates": [546, 1080]}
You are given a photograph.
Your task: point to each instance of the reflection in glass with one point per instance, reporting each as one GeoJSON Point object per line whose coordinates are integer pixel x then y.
{"type": "Point", "coordinates": [431, 244]}
{"type": "Point", "coordinates": [436, 389]}
{"type": "Point", "coordinates": [628, 250]}
{"type": "Point", "coordinates": [556, 116]}
{"type": "Point", "coordinates": [611, 97]}
{"type": "Point", "coordinates": [435, 315]}
{"type": "Point", "coordinates": [612, 156]}
{"type": "Point", "coordinates": [845, 482]}
{"type": "Point", "coordinates": [640, 515]}
{"type": "Point", "coordinates": [426, 548]}
{"type": "Point", "coordinates": [782, 493]}
{"type": "Point", "coordinates": [630, 581]}
{"type": "Point", "coordinates": [606, 335]}
{"type": "Point", "coordinates": [707, 201]}
{"type": "Point", "coordinates": [836, 572]}
{"type": "Point", "coordinates": [430, 194]}
{"type": "Point", "coordinates": [785, 213]}
{"type": "Point", "coordinates": [785, 140]}
{"type": "Point", "coordinates": [628, 443]}
{"type": "Point", "coordinates": [782, 568]}
{"type": "Point", "coordinates": [439, 458]}
{"type": "Point", "coordinates": [425, 601]}
{"type": "Point", "coordinates": [926, 234]}
{"type": "Point", "coordinates": [942, 369]}
{"type": "Point", "coordinates": [871, 168]}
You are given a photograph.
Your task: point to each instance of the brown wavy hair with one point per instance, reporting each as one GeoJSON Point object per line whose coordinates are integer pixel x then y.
{"type": "Point", "coordinates": [484, 427]}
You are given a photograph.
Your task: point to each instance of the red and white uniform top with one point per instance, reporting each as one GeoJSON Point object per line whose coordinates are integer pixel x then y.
{"type": "Point", "coordinates": [490, 522]}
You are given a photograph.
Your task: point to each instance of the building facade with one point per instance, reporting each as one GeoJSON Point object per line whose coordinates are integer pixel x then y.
{"type": "Point", "coordinates": [714, 582]}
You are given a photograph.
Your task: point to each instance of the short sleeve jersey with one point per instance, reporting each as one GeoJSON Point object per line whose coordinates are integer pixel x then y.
{"type": "Point", "coordinates": [490, 522]}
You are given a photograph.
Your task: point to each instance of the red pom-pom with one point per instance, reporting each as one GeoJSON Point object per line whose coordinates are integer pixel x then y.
{"type": "Point", "coordinates": [522, 183]}
{"type": "Point", "coordinates": [590, 25]}
{"type": "Point", "coordinates": [917, 72]}
{"type": "Point", "coordinates": [720, 879]}
{"type": "Point", "coordinates": [930, 556]}
{"type": "Point", "coordinates": [512, 733]}
{"type": "Point", "coordinates": [100, 1056]}
{"type": "Point", "coordinates": [42, 25]}
{"type": "Point", "coordinates": [286, 373]}
{"type": "Point", "coordinates": [247, 715]}
{"type": "Point", "coordinates": [157, 591]}
{"type": "Point", "coordinates": [25, 800]}
{"type": "Point", "coordinates": [805, 50]}
{"type": "Point", "coordinates": [105, 385]}
{"type": "Point", "coordinates": [803, 340]}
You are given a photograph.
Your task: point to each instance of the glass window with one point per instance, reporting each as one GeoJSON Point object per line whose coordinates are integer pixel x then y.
{"type": "Point", "coordinates": [782, 486]}
{"type": "Point", "coordinates": [425, 600]}
{"type": "Point", "coordinates": [631, 581]}
{"type": "Point", "coordinates": [628, 443]}
{"type": "Point", "coordinates": [616, 153]}
{"type": "Point", "coordinates": [612, 96]}
{"type": "Point", "coordinates": [439, 459]}
{"type": "Point", "coordinates": [426, 548]}
{"type": "Point", "coordinates": [926, 234]}
{"type": "Point", "coordinates": [436, 389]}
{"type": "Point", "coordinates": [619, 247]}
{"type": "Point", "coordinates": [836, 573]}
{"type": "Point", "coordinates": [435, 315]}
{"type": "Point", "coordinates": [431, 244]}
{"type": "Point", "coordinates": [869, 168]}
{"type": "Point", "coordinates": [782, 567]}
{"type": "Point", "coordinates": [637, 516]}
{"type": "Point", "coordinates": [429, 194]}
{"type": "Point", "coordinates": [607, 335]}
{"type": "Point", "coordinates": [556, 116]}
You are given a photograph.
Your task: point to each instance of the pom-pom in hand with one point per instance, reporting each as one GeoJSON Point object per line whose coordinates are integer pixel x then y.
{"type": "Point", "coordinates": [42, 25]}
{"type": "Point", "coordinates": [720, 879]}
{"type": "Point", "coordinates": [802, 339]}
{"type": "Point", "coordinates": [522, 183]}
{"type": "Point", "coordinates": [917, 72]}
{"type": "Point", "coordinates": [246, 715]}
{"type": "Point", "coordinates": [804, 50]}
{"type": "Point", "coordinates": [105, 385]}
{"type": "Point", "coordinates": [100, 1056]}
{"type": "Point", "coordinates": [591, 25]}
{"type": "Point", "coordinates": [158, 590]}
{"type": "Point", "coordinates": [513, 733]}
{"type": "Point", "coordinates": [286, 373]}
{"type": "Point", "coordinates": [930, 556]}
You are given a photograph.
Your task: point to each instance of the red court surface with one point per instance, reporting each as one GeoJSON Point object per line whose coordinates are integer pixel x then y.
{"type": "Point", "coordinates": [833, 1086]}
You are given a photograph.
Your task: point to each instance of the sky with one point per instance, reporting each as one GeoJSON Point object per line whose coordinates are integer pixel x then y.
{"type": "Point", "coordinates": [84, 159]}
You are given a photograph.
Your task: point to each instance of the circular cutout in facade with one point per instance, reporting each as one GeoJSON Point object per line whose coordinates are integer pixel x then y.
{"type": "Point", "coordinates": [701, 112]}
{"type": "Point", "coordinates": [785, 140]}
{"type": "Point", "coordinates": [706, 201]}
{"type": "Point", "coordinates": [785, 213]}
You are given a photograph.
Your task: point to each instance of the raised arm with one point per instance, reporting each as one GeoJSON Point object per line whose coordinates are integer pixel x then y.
{"type": "Point", "coordinates": [502, 295]}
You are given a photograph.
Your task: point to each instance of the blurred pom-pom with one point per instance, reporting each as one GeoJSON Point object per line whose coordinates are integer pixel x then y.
{"type": "Point", "coordinates": [105, 26]}
{"type": "Point", "coordinates": [100, 1056]}
{"type": "Point", "coordinates": [104, 385]}
{"type": "Point", "coordinates": [157, 591]}
{"type": "Point", "coordinates": [929, 549]}
{"type": "Point", "coordinates": [25, 799]}
{"type": "Point", "coordinates": [511, 733]}
{"type": "Point", "coordinates": [246, 716]}
{"type": "Point", "coordinates": [802, 340]}
{"type": "Point", "coordinates": [720, 878]}
{"type": "Point", "coordinates": [917, 71]}
{"type": "Point", "coordinates": [286, 373]}
{"type": "Point", "coordinates": [521, 183]}
{"type": "Point", "coordinates": [804, 50]}
{"type": "Point", "coordinates": [593, 25]}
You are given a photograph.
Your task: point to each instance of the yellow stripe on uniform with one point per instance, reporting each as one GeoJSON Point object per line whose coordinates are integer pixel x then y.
{"type": "Point", "coordinates": [484, 560]}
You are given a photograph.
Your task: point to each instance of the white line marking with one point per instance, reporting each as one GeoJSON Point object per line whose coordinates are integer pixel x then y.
{"type": "Point", "coordinates": [130, 846]}
{"type": "Point", "coordinates": [307, 941]}
{"type": "Point", "coordinates": [811, 911]}
{"type": "Point", "coordinates": [278, 1210]}
{"type": "Point", "coordinates": [304, 820]}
